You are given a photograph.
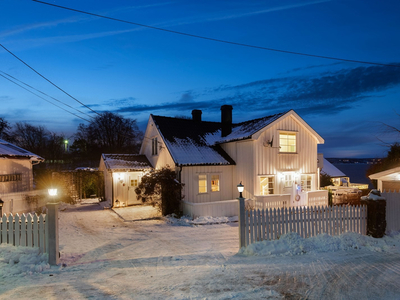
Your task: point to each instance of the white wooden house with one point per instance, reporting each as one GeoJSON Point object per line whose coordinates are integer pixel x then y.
{"type": "Point", "coordinates": [275, 157]}
{"type": "Point", "coordinates": [16, 177]}
{"type": "Point", "coordinates": [122, 173]}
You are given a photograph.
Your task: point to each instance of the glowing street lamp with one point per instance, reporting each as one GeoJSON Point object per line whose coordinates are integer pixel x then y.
{"type": "Point", "coordinates": [240, 188]}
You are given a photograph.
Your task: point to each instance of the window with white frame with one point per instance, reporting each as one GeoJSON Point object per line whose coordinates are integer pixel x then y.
{"type": "Point", "coordinates": [287, 142]}
{"type": "Point", "coordinates": [202, 183]}
{"type": "Point", "coordinates": [154, 145]}
{"type": "Point", "coordinates": [288, 181]}
{"type": "Point", "coordinates": [214, 183]}
{"type": "Point", "coordinates": [306, 182]}
{"type": "Point", "coordinates": [267, 184]}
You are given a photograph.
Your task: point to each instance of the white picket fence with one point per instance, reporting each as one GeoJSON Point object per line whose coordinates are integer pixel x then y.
{"type": "Point", "coordinates": [270, 224]}
{"type": "Point", "coordinates": [25, 230]}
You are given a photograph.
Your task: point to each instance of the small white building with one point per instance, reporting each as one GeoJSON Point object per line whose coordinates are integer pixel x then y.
{"type": "Point", "coordinates": [16, 177]}
{"type": "Point", "coordinates": [388, 179]}
{"type": "Point", "coordinates": [275, 158]}
{"type": "Point", "coordinates": [122, 173]}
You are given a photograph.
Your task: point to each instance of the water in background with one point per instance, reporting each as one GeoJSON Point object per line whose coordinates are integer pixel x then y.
{"type": "Point", "coordinates": [356, 172]}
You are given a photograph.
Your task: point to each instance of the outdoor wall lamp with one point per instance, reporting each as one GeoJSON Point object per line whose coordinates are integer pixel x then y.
{"type": "Point", "coordinates": [240, 188]}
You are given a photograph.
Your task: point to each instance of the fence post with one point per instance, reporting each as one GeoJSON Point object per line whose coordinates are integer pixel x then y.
{"type": "Point", "coordinates": [242, 229]}
{"type": "Point", "coordinates": [376, 213]}
{"type": "Point", "coordinates": [52, 235]}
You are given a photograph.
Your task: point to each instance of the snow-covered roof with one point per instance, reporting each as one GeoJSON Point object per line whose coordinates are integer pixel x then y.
{"type": "Point", "coordinates": [198, 142]}
{"type": "Point", "coordinates": [9, 150]}
{"type": "Point", "coordinates": [126, 162]}
{"type": "Point", "coordinates": [331, 170]}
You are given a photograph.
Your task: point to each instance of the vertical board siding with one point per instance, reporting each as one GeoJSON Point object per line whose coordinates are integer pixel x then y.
{"type": "Point", "coordinates": [270, 224]}
{"type": "Point", "coordinates": [189, 178]}
{"type": "Point", "coordinates": [26, 231]}
{"type": "Point", "coordinates": [392, 210]}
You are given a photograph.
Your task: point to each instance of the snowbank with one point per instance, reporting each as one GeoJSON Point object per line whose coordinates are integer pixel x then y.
{"type": "Point", "coordinates": [187, 221]}
{"type": "Point", "coordinates": [21, 260]}
{"type": "Point", "coordinates": [292, 244]}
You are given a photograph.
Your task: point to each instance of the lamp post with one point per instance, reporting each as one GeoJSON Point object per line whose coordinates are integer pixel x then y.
{"type": "Point", "coordinates": [242, 229]}
{"type": "Point", "coordinates": [52, 243]}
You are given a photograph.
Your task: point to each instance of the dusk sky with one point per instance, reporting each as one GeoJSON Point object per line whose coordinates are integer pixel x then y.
{"type": "Point", "coordinates": [135, 71]}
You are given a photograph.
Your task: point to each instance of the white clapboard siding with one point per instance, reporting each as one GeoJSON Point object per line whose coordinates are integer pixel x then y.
{"type": "Point", "coordinates": [26, 231]}
{"type": "Point", "coordinates": [270, 224]}
{"type": "Point", "coordinates": [392, 210]}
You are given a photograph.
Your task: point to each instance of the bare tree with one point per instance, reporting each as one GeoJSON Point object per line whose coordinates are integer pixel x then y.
{"type": "Point", "coordinates": [4, 129]}
{"type": "Point", "coordinates": [108, 133]}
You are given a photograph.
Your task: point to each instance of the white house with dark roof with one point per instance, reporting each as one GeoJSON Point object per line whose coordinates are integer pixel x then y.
{"type": "Point", "coordinates": [275, 158]}
{"type": "Point", "coordinates": [122, 173]}
{"type": "Point", "coordinates": [16, 177]}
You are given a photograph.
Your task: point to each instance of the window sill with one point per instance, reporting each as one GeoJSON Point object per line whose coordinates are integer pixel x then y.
{"type": "Point", "coordinates": [288, 153]}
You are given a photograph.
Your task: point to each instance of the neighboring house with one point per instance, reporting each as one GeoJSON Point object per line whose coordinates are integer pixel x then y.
{"type": "Point", "coordinates": [16, 177]}
{"type": "Point", "coordinates": [337, 176]}
{"type": "Point", "coordinates": [387, 180]}
{"type": "Point", "coordinates": [122, 173]}
{"type": "Point", "coordinates": [275, 157]}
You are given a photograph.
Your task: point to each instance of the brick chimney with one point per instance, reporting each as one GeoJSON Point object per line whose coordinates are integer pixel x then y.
{"type": "Point", "coordinates": [196, 115]}
{"type": "Point", "coordinates": [226, 120]}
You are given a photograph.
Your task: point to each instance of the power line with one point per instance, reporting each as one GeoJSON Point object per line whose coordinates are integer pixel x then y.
{"type": "Point", "coordinates": [219, 40]}
{"type": "Point", "coordinates": [47, 79]}
{"type": "Point", "coordinates": [43, 98]}
{"type": "Point", "coordinates": [45, 93]}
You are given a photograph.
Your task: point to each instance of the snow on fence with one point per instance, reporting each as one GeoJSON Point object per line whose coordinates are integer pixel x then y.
{"type": "Point", "coordinates": [25, 230]}
{"type": "Point", "coordinates": [392, 210]}
{"type": "Point", "coordinates": [270, 224]}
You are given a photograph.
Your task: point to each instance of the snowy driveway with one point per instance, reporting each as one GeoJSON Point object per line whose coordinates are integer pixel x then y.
{"type": "Point", "coordinates": [107, 258]}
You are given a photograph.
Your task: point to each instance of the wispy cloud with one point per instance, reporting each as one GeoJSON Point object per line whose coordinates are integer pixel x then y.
{"type": "Point", "coordinates": [335, 91]}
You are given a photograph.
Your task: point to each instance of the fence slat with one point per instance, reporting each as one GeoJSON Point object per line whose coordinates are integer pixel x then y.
{"type": "Point", "coordinates": [35, 231]}
{"type": "Point", "coordinates": [4, 229]}
{"type": "Point", "coordinates": [17, 230]}
{"type": "Point", "coordinates": [29, 231]}
{"type": "Point", "coordinates": [42, 235]}
{"type": "Point", "coordinates": [251, 227]}
{"type": "Point", "coordinates": [11, 229]}
{"type": "Point", "coordinates": [23, 230]}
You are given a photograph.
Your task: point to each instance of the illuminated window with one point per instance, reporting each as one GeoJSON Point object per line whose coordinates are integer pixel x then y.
{"type": "Point", "coordinates": [134, 182]}
{"type": "Point", "coordinates": [215, 183]}
{"type": "Point", "coordinates": [202, 184]}
{"type": "Point", "coordinates": [154, 145]}
{"type": "Point", "coordinates": [266, 185]}
{"type": "Point", "coordinates": [306, 182]}
{"type": "Point", "coordinates": [287, 142]}
{"type": "Point", "coordinates": [10, 177]}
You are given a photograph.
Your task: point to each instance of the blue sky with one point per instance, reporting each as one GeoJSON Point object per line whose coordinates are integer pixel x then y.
{"type": "Point", "coordinates": [135, 71]}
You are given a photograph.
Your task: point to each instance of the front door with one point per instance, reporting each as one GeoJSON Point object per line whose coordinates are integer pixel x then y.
{"type": "Point", "coordinates": [134, 179]}
{"type": "Point", "coordinates": [290, 187]}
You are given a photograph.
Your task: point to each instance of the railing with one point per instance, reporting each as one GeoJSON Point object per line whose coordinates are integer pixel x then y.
{"type": "Point", "coordinates": [272, 201]}
{"type": "Point", "coordinates": [317, 198]}
{"type": "Point", "coordinates": [270, 224]}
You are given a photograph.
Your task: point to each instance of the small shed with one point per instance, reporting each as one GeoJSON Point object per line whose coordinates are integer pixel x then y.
{"type": "Point", "coordinates": [122, 174]}
{"type": "Point", "coordinates": [388, 179]}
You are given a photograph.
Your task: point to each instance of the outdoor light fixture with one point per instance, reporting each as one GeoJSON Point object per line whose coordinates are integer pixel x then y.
{"type": "Point", "coordinates": [240, 188]}
{"type": "Point", "coordinates": [52, 192]}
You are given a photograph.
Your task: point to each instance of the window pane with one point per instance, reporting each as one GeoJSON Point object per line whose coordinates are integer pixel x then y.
{"type": "Point", "coordinates": [287, 142]}
{"type": "Point", "coordinates": [215, 183]}
{"type": "Point", "coordinates": [266, 185]}
{"type": "Point", "coordinates": [306, 182]}
{"type": "Point", "coordinates": [202, 183]}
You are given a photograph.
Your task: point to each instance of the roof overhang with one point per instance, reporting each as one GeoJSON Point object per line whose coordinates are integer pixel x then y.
{"type": "Point", "coordinates": [295, 116]}
{"type": "Point", "coordinates": [388, 175]}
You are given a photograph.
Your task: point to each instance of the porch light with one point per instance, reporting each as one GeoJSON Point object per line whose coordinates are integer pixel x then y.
{"type": "Point", "coordinates": [52, 192]}
{"type": "Point", "coordinates": [240, 188]}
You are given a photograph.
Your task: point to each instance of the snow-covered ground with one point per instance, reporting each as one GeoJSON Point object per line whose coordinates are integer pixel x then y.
{"type": "Point", "coordinates": [105, 257]}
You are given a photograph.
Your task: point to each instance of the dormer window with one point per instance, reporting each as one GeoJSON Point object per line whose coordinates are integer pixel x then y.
{"type": "Point", "coordinates": [154, 144]}
{"type": "Point", "coordinates": [287, 142]}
